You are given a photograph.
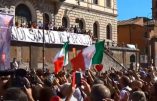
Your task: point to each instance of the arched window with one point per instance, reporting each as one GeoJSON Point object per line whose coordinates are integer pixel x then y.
{"type": "Point", "coordinates": [80, 23]}
{"type": "Point", "coordinates": [46, 18]}
{"type": "Point", "coordinates": [46, 21]}
{"type": "Point", "coordinates": [95, 30]}
{"type": "Point", "coordinates": [65, 22]}
{"type": "Point", "coordinates": [109, 32]}
{"type": "Point", "coordinates": [22, 14]}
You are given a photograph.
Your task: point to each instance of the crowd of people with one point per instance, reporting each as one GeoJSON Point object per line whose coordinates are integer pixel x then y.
{"type": "Point", "coordinates": [111, 85]}
{"type": "Point", "coordinates": [50, 26]}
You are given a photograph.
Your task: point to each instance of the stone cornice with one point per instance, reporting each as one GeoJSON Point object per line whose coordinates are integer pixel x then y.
{"type": "Point", "coordinates": [89, 9]}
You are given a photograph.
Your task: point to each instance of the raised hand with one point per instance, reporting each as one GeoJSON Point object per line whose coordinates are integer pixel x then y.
{"type": "Point", "coordinates": [28, 91]}
{"type": "Point", "coordinates": [86, 87]}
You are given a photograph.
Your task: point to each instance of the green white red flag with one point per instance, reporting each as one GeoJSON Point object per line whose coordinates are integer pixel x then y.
{"type": "Point", "coordinates": [61, 58]}
{"type": "Point", "coordinates": [88, 56]}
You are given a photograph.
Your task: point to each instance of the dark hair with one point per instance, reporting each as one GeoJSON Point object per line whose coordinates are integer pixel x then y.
{"type": "Point", "coordinates": [155, 87]}
{"type": "Point", "coordinates": [20, 72]}
{"type": "Point", "coordinates": [138, 96]}
{"type": "Point", "coordinates": [125, 80]}
{"type": "Point", "coordinates": [15, 94]}
{"type": "Point", "coordinates": [99, 92]}
{"type": "Point", "coordinates": [98, 81]}
{"type": "Point", "coordinates": [47, 83]}
{"type": "Point", "coordinates": [46, 94]}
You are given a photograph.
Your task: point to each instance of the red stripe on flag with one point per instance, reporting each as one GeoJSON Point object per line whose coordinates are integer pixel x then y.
{"type": "Point", "coordinates": [59, 64]}
{"type": "Point", "coordinates": [78, 62]}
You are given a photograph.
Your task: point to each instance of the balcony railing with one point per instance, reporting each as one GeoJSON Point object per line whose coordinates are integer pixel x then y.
{"type": "Point", "coordinates": [49, 36]}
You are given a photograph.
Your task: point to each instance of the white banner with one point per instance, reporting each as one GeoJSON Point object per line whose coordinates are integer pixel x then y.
{"type": "Point", "coordinates": [51, 37]}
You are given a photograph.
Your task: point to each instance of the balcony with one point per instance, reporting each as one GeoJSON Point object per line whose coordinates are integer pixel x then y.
{"type": "Point", "coordinates": [32, 35]}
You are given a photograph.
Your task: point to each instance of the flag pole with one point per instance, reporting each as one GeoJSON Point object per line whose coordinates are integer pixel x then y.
{"type": "Point", "coordinates": [43, 42]}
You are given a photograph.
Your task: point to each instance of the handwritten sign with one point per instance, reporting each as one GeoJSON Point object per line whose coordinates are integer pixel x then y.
{"type": "Point", "coordinates": [50, 37]}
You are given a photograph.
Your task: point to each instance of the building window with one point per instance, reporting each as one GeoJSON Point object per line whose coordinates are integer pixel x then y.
{"type": "Point", "coordinates": [95, 30]}
{"type": "Point", "coordinates": [80, 23]}
{"type": "Point", "coordinates": [109, 32]}
{"type": "Point", "coordinates": [46, 21]}
{"type": "Point", "coordinates": [108, 3]}
{"type": "Point", "coordinates": [95, 1]}
{"type": "Point", "coordinates": [22, 15]}
{"type": "Point", "coordinates": [65, 22]}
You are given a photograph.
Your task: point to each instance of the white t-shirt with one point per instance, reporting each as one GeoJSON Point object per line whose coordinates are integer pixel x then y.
{"type": "Point", "coordinates": [72, 98]}
{"type": "Point", "coordinates": [124, 91]}
{"type": "Point", "coordinates": [77, 95]}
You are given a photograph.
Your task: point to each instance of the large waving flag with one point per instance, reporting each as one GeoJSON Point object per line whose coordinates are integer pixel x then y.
{"type": "Point", "coordinates": [6, 22]}
{"type": "Point", "coordinates": [61, 58]}
{"type": "Point", "coordinates": [88, 56]}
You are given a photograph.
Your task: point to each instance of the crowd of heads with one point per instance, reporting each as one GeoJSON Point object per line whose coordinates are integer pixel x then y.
{"type": "Point", "coordinates": [111, 85]}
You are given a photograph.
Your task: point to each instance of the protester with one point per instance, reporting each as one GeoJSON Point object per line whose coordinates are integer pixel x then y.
{"type": "Point", "coordinates": [124, 85]}
{"type": "Point", "coordinates": [14, 64]}
{"type": "Point", "coordinates": [51, 26]}
{"type": "Point", "coordinates": [15, 94]}
{"type": "Point", "coordinates": [138, 96]}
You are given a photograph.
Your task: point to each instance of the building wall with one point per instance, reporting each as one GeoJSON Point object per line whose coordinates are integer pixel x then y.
{"type": "Point", "coordinates": [123, 34]}
{"type": "Point", "coordinates": [133, 34]}
{"type": "Point", "coordinates": [101, 6]}
{"type": "Point", "coordinates": [87, 11]}
{"type": "Point", "coordinates": [154, 9]}
{"type": "Point", "coordinates": [89, 18]}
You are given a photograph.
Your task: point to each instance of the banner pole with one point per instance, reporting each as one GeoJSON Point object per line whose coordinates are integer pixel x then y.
{"type": "Point", "coordinates": [43, 42]}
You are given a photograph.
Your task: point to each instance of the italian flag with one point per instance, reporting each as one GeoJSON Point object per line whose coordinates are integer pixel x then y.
{"type": "Point", "coordinates": [88, 56]}
{"type": "Point", "coordinates": [61, 58]}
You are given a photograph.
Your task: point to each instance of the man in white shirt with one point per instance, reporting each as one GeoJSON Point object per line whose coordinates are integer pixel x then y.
{"type": "Point", "coordinates": [14, 64]}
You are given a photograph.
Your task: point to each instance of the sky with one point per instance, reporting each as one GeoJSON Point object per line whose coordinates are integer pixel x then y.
{"type": "Point", "coordinates": [132, 8]}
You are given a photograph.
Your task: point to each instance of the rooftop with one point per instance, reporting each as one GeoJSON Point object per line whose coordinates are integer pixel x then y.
{"type": "Point", "coordinates": [136, 20]}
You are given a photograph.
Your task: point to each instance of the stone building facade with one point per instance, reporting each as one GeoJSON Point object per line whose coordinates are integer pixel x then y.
{"type": "Point", "coordinates": [133, 31]}
{"type": "Point", "coordinates": [91, 14]}
{"type": "Point", "coordinates": [147, 35]}
{"type": "Point", "coordinates": [99, 16]}
{"type": "Point", "coordinates": [86, 11]}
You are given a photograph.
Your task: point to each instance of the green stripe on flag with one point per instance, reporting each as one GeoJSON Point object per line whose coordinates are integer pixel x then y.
{"type": "Point", "coordinates": [66, 53]}
{"type": "Point", "coordinates": [98, 56]}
